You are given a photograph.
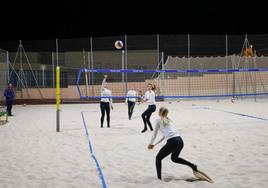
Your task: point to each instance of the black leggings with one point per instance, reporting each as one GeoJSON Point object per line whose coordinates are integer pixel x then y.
{"type": "Point", "coordinates": [130, 108]}
{"type": "Point", "coordinates": [173, 147]}
{"type": "Point", "coordinates": [9, 107]}
{"type": "Point", "coordinates": [146, 116]}
{"type": "Point", "coordinates": [105, 107]}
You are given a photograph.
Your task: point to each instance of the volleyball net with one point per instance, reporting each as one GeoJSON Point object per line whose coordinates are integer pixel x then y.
{"type": "Point", "coordinates": [175, 83]}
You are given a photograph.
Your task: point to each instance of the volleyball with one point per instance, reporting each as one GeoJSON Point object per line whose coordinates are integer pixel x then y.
{"type": "Point", "coordinates": [118, 44]}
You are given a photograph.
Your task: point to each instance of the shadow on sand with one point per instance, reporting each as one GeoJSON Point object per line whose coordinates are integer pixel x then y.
{"type": "Point", "coordinates": [188, 179]}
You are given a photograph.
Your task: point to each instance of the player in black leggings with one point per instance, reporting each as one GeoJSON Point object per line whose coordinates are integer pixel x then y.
{"type": "Point", "coordinates": [173, 146]}
{"type": "Point", "coordinates": [131, 101]}
{"type": "Point", "coordinates": [106, 102]}
{"type": "Point", "coordinates": [149, 97]}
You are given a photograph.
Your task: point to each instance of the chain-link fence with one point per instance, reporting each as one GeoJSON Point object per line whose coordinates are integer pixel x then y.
{"type": "Point", "coordinates": [30, 64]}
{"type": "Point", "coordinates": [3, 72]}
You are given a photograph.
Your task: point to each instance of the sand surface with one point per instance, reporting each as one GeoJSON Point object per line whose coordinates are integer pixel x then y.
{"type": "Point", "coordinates": [232, 149]}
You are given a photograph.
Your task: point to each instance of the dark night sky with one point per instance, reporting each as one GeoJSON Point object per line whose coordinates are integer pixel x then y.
{"type": "Point", "coordinates": [49, 20]}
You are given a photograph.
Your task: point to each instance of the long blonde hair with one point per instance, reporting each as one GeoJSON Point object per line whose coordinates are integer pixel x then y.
{"type": "Point", "coordinates": [153, 86]}
{"type": "Point", "coordinates": [163, 112]}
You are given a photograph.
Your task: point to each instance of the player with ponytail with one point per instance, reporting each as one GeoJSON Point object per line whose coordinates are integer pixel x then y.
{"type": "Point", "coordinates": [149, 97]}
{"type": "Point", "coordinates": [174, 143]}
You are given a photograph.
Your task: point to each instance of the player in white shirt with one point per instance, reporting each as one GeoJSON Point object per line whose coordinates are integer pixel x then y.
{"type": "Point", "coordinates": [105, 102]}
{"type": "Point", "coordinates": [174, 143]}
{"type": "Point", "coordinates": [149, 97]}
{"type": "Point", "coordinates": [130, 101]}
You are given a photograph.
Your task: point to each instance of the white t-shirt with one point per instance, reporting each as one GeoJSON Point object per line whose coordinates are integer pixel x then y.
{"type": "Point", "coordinates": [168, 131]}
{"type": "Point", "coordinates": [131, 93]}
{"type": "Point", "coordinates": [149, 97]}
{"type": "Point", "coordinates": [105, 92]}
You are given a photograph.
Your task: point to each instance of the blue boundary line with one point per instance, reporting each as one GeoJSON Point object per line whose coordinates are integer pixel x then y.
{"type": "Point", "coordinates": [92, 153]}
{"type": "Point", "coordinates": [235, 113]}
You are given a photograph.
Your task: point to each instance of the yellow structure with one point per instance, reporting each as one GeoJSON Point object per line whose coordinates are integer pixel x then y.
{"type": "Point", "coordinates": [58, 88]}
{"type": "Point", "coordinates": [58, 99]}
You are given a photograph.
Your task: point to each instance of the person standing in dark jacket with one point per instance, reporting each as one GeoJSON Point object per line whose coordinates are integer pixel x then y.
{"type": "Point", "coordinates": [10, 95]}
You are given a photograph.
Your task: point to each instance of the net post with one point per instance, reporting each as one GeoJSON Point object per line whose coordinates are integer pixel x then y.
{"type": "Point", "coordinates": [53, 71]}
{"type": "Point", "coordinates": [58, 99]}
{"type": "Point", "coordinates": [7, 74]}
{"type": "Point", "coordinates": [92, 66]}
{"type": "Point", "coordinates": [126, 66]}
{"type": "Point", "coordinates": [123, 67]}
{"type": "Point", "coordinates": [189, 65]}
{"type": "Point", "coordinates": [226, 61]}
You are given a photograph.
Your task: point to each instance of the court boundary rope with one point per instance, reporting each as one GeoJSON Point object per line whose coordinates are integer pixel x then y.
{"type": "Point", "coordinates": [234, 113]}
{"type": "Point", "coordinates": [92, 153]}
